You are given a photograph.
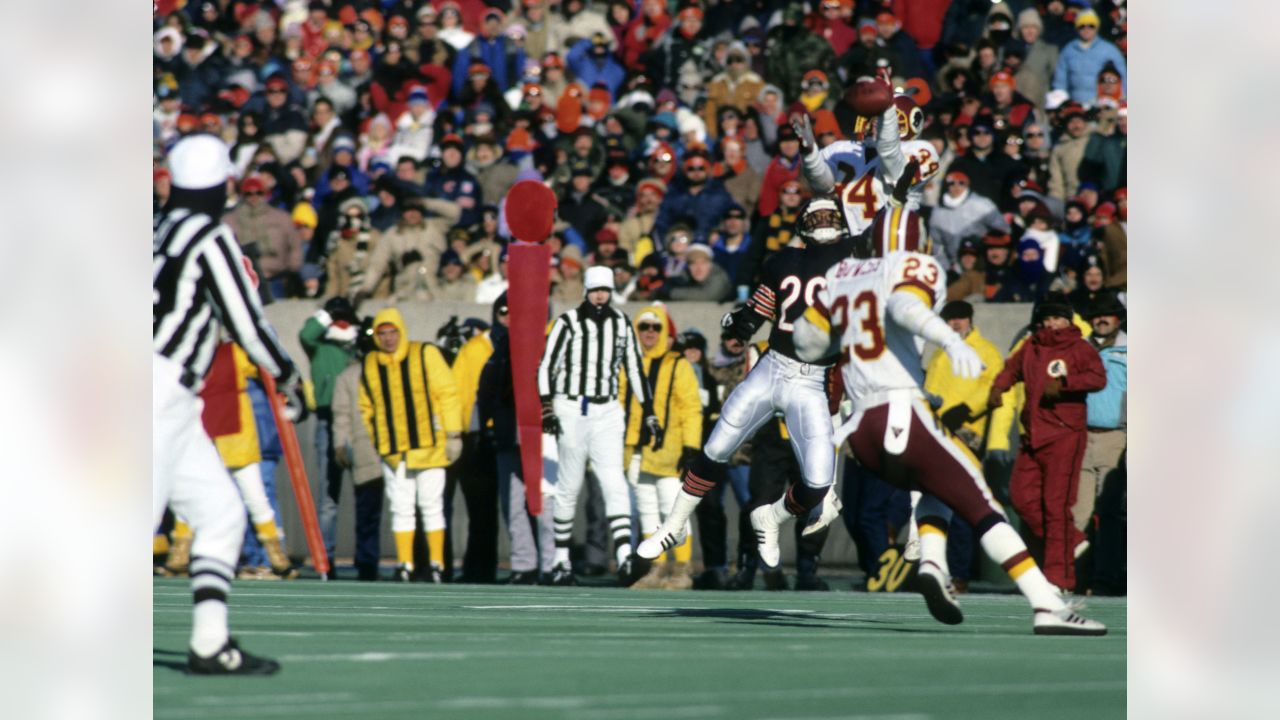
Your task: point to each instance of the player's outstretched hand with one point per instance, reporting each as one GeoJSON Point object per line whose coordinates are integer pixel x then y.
{"type": "Point", "coordinates": [905, 182]}
{"type": "Point", "coordinates": [804, 131]}
{"type": "Point", "coordinates": [965, 362]}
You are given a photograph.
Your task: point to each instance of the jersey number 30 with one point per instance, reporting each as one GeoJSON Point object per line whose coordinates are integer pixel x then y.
{"type": "Point", "coordinates": [866, 307]}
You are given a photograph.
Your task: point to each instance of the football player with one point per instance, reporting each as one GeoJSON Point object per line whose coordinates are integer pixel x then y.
{"type": "Point", "coordinates": [873, 311]}
{"type": "Point", "coordinates": [780, 384]}
{"type": "Point", "coordinates": [861, 173]}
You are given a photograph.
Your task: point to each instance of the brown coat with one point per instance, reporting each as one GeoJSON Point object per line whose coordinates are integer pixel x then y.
{"type": "Point", "coordinates": [1115, 250]}
{"type": "Point", "coordinates": [724, 90]}
{"type": "Point", "coordinates": [348, 263]}
{"type": "Point", "coordinates": [278, 245]}
{"type": "Point", "coordinates": [410, 254]}
{"type": "Point", "coordinates": [973, 282]}
{"type": "Point", "coordinates": [745, 188]}
{"type": "Point", "coordinates": [350, 437]}
{"type": "Point", "coordinates": [632, 229]}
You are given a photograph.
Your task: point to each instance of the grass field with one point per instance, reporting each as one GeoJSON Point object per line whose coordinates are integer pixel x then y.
{"type": "Point", "coordinates": [475, 652]}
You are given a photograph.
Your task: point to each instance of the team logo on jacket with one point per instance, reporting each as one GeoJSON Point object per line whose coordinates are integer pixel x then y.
{"type": "Point", "coordinates": [1057, 368]}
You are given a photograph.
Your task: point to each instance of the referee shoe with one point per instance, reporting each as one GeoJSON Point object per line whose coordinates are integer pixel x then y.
{"type": "Point", "coordinates": [230, 660]}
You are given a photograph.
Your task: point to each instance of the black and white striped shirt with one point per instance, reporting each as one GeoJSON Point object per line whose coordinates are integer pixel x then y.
{"type": "Point", "coordinates": [200, 280]}
{"type": "Point", "coordinates": [583, 356]}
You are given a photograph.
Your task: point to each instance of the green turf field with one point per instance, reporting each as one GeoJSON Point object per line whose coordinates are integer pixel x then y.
{"type": "Point", "coordinates": [467, 651]}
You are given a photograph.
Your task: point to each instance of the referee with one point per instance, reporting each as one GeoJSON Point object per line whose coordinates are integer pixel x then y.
{"type": "Point", "coordinates": [578, 385]}
{"type": "Point", "coordinates": [201, 281]}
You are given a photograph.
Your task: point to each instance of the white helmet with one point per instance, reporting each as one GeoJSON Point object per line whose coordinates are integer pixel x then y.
{"type": "Point", "coordinates": [821, 222]}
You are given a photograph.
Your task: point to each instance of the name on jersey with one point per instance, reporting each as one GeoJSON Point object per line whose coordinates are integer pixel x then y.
{"type": "Point", "coordinates": [855, 268]}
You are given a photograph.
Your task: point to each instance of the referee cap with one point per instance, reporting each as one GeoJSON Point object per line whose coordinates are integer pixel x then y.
{"type": "Point", "coordinates": [599, 277]}
{"type": "Point", "coordinates": [199, 162]}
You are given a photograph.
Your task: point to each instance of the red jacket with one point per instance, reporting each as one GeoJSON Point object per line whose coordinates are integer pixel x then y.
{"type": "Point", "coordinates": [1067, 355]}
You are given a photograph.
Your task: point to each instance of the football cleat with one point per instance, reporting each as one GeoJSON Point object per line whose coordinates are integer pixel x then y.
{"type": "Point", "coordinates": [938, 594]}
{"type": "Point", "coordinates": [562, 576]}
{"type": "Point", "coordinates": [831, 507]}
{"type": "Point", "coordinates": [661, 541]}
{"type": "Point", "coordinates": [402, 574]}
{"type": "Point", "coordinates": [1066, 622]}
{"type": "Point", "coordinates": [522, 577]}
{"type": "Point", "coordinates": [774, 579]}
{"type": "Point", "coordinates": [811, 582]}
{"type": "Point", "coordinates": [230, 660]}
{"type": "Point", "coordinates": [762, 519]}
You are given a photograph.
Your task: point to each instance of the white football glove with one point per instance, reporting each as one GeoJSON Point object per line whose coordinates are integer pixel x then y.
{"type": "Point", "coordinates": [800, 123]}
{"type": "Point", "coordinates": [965, 362]}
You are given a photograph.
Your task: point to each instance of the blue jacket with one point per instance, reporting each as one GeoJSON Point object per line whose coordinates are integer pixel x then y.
{"type": "Point", "coordinates": [1078, 69]}
{"type": "Point", "coordinates": [707, 208]}
{"type": "Point", "coordinates": [505, 63]}
{"type": "Point", "coordinates": [455, 185]}
{"type": "Point", "coordinates": [590, 72]}
{"type": "Point", "coordinates": [1108, 407]}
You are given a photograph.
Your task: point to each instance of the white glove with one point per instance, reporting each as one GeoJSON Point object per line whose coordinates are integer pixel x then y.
{"type": "Point", "coordinates": [965, 362]}
{"type": "Point", "coordinates": [800, 123]}
{"type": "Point", "coordinates": [323, 318]}
{"type": "Point", "coordinates": [342, 332]}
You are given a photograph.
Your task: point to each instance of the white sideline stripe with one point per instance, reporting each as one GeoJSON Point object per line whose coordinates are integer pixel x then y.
{"type": "Point", "coordinates": [379, 656]}
{"type": "Point", "coordinates": [675, 696]}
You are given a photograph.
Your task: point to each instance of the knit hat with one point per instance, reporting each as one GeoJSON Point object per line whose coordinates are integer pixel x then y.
{"type": "Point", "coordinates": [1087, 17]}
{"type": "Point", "coordinates": [653, 184]}
{"type": "Point", "coordinates": [1054, 305]}
{"type": "Point", "coordinates": [957, 310]}
{"type": "Point", "coordinates": [598, 277]}
{"type": "Point", "coordinates": [353, 202]}
{"type": "Point", "coordinates": [305, 215]}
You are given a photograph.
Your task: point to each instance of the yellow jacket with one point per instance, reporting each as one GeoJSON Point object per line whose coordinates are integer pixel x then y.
{"type": "Point", "coordinates": [676, 402]}
{"type": "Point", "coordinates": [466, 373]}
{"type": "Point", "coordinates": [241, 449]}
{"type": "Point", "coordinates": [1003, 417]}
{"type": "Point", "coordinates": [953, 390]}
{"type": "Point", "coordinates": [412, 426]}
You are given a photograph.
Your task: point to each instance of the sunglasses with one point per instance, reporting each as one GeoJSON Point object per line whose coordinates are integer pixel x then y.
{"type": "Point", "coordinates": [275, 91]}
{"type": "Point", "coordinates": [736, 60]}
{"type": "Point", "coordinates": [695, 168]}
{"type": "Point", "coordinates": [649, 327]}
{"type": "Point", "coordinates": [253, 193]}
{"type": "Point", "coordinates": [981, 131]}
{"type": "Point", "coordinates": [1035, 134]}
{"type": "Point", "coordinates": [1088, 25]}
{"type": "Point", "coordinates": [502, 310]}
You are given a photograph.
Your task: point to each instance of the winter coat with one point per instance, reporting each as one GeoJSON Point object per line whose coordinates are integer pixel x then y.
{"type": "Point", "coordinates": [349, 262]}
{"type": "Point", "coordinates": [225, 393]}
{"type": "Point", "coordinates": [350, 436]}
{"type": "Point", "coordinates": [716, 288]}
{"type": "Point", "coordinates": [458, 186]}
{"type": "Point", "coordinates": [590, 71]}
{"type": "Point", "coordinates": [971, 216]}
{"type": "Point", "coordinates": [1036, 73]}
{"type": "Point", "coordinates": [1105, 161]}
{"type": "Point", "coordinates": [790, 52]}
{"type": "Point", "coordinates": [1071, 358]}
{"type": "Point", "coordinates": [745, 187]}
{"type": "Point", "coordinates": [268, 234]}
{"type": "Point", "coordinates": [780, 172]}
{"type": "Point", "coordinates": [677, 403]}
{"type": "Point", "coordinates": [632, 230]}
{"type": "Point", "coordinates": [408, 400]}
{"type": "Point", "coordinates": [707, 207]}
{"type": "Point", "coordinates": [1064, 164]}
{"type": "Point", "coordinates": [462, 290]}
{"type": "Point", "coordinates": [495, 180]}
{"type": "Point", "coordinates": [495, 394]}
{"type": "Point", "coordinates": [724, 90]}
{"type": "Point", "coordinates": [1108, 408]}
{"type": "Point", "coordinates": [1115, 253]}
{"type": "Point", "coordinates": [969, 284]}
{"type": "Point", "coordinates": [1078, 68]}
{"type": "Point", "coordinates": [327, 356]}
{"type": "Point", "coordinates": [955, 390]}
{"type": "Point", "coordinates": [987, 175]}
{"type": "Point", "coordinates": [467, 367]}
{"type": "Point", "coordinates": [410, 255]}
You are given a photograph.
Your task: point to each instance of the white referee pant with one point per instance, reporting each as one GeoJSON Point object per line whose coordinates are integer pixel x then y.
{"type": "Point", "coordinates": [188, 474]}
{"type": "Point", "coordinates": [779, 385]}
{"type": "Point", "coordinates": [594, 434]}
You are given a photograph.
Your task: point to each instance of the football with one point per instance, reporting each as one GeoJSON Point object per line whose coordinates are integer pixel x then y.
{"type": "Point", "coordinates": [869, 96]}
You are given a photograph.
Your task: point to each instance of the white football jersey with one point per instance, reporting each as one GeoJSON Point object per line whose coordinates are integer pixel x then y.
{"type": "Point", "coordinates": [877, 354]}
{"type": "Point", "coordinates": [861, 182]}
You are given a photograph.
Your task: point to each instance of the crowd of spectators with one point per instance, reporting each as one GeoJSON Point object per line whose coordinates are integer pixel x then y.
{"type": "Point", "coordinates": [374, 143]}
{"type": "Point", "coordinates": [374, 140]}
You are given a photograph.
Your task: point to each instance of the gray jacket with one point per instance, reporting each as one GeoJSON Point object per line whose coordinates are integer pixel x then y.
{"type": "Point", "coordinates": [350, 438]}
{"type": "Point", "coordinates": [952, 221]}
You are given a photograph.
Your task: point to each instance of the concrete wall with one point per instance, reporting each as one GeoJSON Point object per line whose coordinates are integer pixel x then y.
{"type": "Point", "coordinates": [999, 323]}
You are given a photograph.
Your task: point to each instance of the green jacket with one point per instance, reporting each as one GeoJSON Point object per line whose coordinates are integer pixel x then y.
{"type": "Point", "coordinates": [328, 359]}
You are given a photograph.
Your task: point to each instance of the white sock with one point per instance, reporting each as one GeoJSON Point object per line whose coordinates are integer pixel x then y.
{"type": "Point", "coordinates": [933, 547]}
{"type": "Point", "coordinates": [209, 632]}
{"type": "Point", "coordinates": [622, 553]}
{"type": "Point", "coordinates": [562, 556]}
{"type": "Point", "coordinates": [681, 510]}
{"type": "Point", "coordinates": [1002, 544]}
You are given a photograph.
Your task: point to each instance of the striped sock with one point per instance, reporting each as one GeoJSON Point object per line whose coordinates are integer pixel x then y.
{"type": "Point", "coordinates": [210, 585]}
{"type": "Point", "coordinates": [564, 537]}
{"type": "Point", "coordinates": [620, 529]}
{"type": "Point", "coordinates": [1002, 544]}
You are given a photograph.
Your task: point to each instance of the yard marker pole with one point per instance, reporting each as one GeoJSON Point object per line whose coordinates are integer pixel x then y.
{"type": "Point", "coordinates": [297, 477]}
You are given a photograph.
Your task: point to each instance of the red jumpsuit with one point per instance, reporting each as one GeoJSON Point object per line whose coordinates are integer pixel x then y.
{"type": "Point", "coordinates": [1047, 471]}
